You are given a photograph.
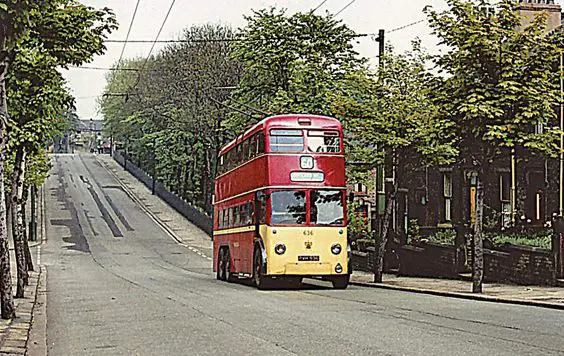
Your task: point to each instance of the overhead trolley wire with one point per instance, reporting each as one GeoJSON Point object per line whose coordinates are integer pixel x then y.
{"type": "Point", "coordinates": [344, 8]}
{"type": "Point", "coordinates": [128, 32]}
{"type": "Point", "coordinates": [406, 26]}
{"type": "Point", "coordinates": [158, 34]}
{"type": "Point", "coordinates": [318, 6]}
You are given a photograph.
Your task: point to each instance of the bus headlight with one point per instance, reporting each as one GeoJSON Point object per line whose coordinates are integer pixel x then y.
{"type": "Point", "coordinates": [336, 249]}
{"type": "Point", "coordinates": [280, 249]}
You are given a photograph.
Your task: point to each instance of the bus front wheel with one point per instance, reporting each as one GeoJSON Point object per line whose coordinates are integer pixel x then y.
{"type": "Point", "coordinates": [261, 281]}
{"type": "Point", "coordinates": [340, 282]}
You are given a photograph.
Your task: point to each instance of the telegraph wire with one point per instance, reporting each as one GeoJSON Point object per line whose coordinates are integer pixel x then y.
{"type": "Point", "coordinates": [112, 68]}
{"type": "Point", "coordinates": [152, 47]}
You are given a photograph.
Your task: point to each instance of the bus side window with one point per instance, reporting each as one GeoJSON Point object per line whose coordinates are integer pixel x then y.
{"type": "Point", "coordinates": [236, 217]}
{"type": "Point", "coordinates": [260, 207]}
{"type": "Point", "coordinates": [220, 219]}
{"type": "Point", "coordinates": [225, 218]}
{"type": "Point", "coordinates": [243, 212]}
{"type": "Point", "coordinates": [250, 214]}
{"type": "Point", "coordinates": [230, 217]}
{"type": "Point", "coordinates": [252, 147]}
{"type": "Point", "coordinates": [260, 143]}
{"type": "Point", "coordinates": [239, 154]}
{"type": "Point", "coordinates": [246, 150]}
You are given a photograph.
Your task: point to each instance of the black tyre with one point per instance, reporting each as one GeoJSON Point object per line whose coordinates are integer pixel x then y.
{"type": "Point", "coordinates": [220, 273]}
{"type": "Point", "coordinates": [228, 276]}
{"type": "Point", "coordinates": [340, 282]}
{"type": "Point", "coordinates": [261, 281]}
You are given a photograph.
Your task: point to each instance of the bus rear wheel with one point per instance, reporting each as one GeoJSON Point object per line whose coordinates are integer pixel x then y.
{"type": "Point", "coordinates": [220, 273]}
{"type": "Point", "coordinates": [227, 266]}
{"type": "Point", "coordinates": [340, 282]}
{"type": "Point", "coordinates": [261, 281]}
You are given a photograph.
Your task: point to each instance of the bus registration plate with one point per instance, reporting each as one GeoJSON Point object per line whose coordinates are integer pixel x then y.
{"type": "Point", "coordinates": [308, 258]}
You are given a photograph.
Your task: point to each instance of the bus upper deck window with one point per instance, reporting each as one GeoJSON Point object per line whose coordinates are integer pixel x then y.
{"type": "Point", "coordinates": [323, 141]}
{"type": "Point", "coordinates": [286, 141]}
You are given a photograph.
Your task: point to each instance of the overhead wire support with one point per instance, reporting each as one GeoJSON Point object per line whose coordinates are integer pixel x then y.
{"type": "Point", "coordinates": [250, 107]}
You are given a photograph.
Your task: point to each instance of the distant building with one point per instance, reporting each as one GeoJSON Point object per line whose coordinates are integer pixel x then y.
{"type": "Point", "coordinates": [89, 126]}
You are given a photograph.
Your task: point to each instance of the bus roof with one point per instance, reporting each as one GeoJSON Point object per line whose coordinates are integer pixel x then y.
{"type": "Point", "coordinates": [285, 121]}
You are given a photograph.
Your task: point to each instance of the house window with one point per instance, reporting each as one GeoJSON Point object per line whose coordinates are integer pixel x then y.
{"type": "Point", "coordinates": [447, 194]}
{"type": "Point", "coordinates": [505, 198]}
{"type": "Point", "coordinates": [539, 128]}
{"type": "Point", "coordinates": [504, 188]}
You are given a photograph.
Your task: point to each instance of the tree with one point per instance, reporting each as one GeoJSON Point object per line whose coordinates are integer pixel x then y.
{"type": "Point", "coordinates": [39, 36]}
{"type": "Point", "coordinates": [167, 117]}
{"type": "Point", "coordinates": [291, 63]}
{"type": "Point", "coordinates": [391, 115]}
{"type": "Point", "coordinates": [498, 83]}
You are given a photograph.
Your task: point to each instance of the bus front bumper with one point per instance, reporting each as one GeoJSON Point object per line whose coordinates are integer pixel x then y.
{"type": "Point", "coordinates": [311, 269]}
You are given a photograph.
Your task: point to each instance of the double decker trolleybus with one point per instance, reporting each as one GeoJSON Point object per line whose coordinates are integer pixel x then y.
{"type": "Point", "coordinates": [280, 205]}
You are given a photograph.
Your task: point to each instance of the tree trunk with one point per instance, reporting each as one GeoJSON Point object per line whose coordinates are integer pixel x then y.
{"type": "Point", "coordinates": [6, 298]}
{"type": "Point", "coordinates": [28, 259]}
{"type": "Point", "coordinates": [382, 238]}
{"type": "Point", "coordinates": [17, 222]}
{"type": "Point", "coordinates": [478, 265]}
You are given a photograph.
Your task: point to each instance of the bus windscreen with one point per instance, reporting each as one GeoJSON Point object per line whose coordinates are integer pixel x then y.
{"type": "Point", "coordinates": [288, 207]}
{"type": "Point", "coordinates": [326, 207]}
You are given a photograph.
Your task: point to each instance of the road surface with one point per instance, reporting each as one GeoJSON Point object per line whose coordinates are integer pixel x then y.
{"type": "Point", "coordinates": [119, 285]}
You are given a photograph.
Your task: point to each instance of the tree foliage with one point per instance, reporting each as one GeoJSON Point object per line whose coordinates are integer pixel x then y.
{"type": "Point", "coordinates": [498, 84]}
{"type": "Point", "coordinates": [499, 81]}
{"type": "Point", "coordinates": [168, 120]}
{"type": "Point", "coordinates": [292, 63]}
{"type": "Point", "coordinates": [36, 39]}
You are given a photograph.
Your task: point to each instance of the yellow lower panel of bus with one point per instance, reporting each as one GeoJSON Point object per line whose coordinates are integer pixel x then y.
{"type": "Point", "coordinates": [308, 250]}
{"type": "Point", "coordinates": [309, 269]}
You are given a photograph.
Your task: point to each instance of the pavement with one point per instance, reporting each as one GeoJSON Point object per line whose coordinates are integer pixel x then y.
{"type": "Point", "coordinates": [14, 333]}
{"type": "Point", "coordinates": [128, 275]}
{"type": "Point", "coordinates": [547, 297]}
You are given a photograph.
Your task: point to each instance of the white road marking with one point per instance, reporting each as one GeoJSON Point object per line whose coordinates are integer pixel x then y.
{"type": "Point", "coordinates": [147, 211]}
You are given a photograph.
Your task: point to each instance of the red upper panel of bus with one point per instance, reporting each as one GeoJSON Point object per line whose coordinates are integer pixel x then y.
{"type": "Point", "coordinates": [283, 169]}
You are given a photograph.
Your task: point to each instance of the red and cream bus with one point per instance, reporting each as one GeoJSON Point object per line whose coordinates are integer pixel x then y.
{"type": "Point", "coordinates": [280, 205]}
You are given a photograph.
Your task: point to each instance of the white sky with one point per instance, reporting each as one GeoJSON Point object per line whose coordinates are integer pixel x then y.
{"type": "Point", "coordinates": [363, 16]}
